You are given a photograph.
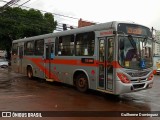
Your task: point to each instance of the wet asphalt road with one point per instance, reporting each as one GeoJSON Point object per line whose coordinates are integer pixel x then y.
{"type": "Point", "coordinates": [18, 93]}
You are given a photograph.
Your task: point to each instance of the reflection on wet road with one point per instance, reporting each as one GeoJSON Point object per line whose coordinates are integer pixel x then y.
{"type": "Point", "coordinates": [18, 93]}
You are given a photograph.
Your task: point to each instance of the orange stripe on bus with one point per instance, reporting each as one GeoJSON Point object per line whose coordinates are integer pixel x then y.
{"type": "Point", "coordinates": [72, 62]}
{"type": "Point", "coordinates": [37, 62]}
{"type": "Point", "coordinates": [79, 63]}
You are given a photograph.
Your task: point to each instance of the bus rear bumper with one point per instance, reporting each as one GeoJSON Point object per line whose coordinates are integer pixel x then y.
{"type": "Point", "coordinates": [132, 87]}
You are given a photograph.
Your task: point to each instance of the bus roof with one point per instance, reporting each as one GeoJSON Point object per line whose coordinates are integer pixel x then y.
{"type": "Point", "coordinates": [102, 26]}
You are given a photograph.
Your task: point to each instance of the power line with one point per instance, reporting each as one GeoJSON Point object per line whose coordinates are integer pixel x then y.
{"type": "Point", "coordinates": [45, 11]}
{"type": "Point", "coordinates": [17, 16]}
{"type": "Point", "coordinates": [10, 3]}
{"type": "Point", "coordinates": [24, 3]}
{"type": "Point", "coordinates": [61, 24]}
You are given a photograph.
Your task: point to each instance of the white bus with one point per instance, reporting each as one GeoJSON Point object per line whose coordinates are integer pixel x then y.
{"type": "Point", "coordinates": [113, 57]}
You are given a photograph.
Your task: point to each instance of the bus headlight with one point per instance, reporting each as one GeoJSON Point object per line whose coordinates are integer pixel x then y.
{"type": "Point", "coordinates": [123, 78]}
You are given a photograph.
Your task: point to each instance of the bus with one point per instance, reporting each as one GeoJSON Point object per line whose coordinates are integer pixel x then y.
{"type": "Point", "coordinates": [113, 57]}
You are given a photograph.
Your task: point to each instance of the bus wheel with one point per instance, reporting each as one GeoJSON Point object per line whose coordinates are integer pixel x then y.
{"type": "Point", "coordinates": [29, 72]}
{"type": "Point", "coordinates": [82, 83]}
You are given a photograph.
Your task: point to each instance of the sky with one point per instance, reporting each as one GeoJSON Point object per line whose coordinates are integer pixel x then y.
{"type": "Point", "coordinates": [145, 12]}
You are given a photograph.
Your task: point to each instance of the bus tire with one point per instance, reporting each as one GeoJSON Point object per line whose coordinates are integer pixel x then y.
{"type": "Point", "coordinates": [29, 72]}
{"type": "Point", "coordinates": [82, 83]}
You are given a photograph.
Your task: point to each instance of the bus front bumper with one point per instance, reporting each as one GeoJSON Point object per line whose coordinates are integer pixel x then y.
{"type": "Point", "coordinates": [132, 87]}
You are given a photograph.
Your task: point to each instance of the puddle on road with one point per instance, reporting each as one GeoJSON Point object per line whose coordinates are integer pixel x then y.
{"type": "Point", "coordinates": [7, 80]}
{"type": "Point", "coordinates": [141, 103]}
{"type": "Point", "coordinates": [5, 84]}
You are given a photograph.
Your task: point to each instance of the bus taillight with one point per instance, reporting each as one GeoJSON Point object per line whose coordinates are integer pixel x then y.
{"type": "Point", "coordinates": [123, 78]}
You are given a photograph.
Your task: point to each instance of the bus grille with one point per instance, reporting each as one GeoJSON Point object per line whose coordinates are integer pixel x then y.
{"type": "Point", "coordinates": [138, 74]}
{"type": "Point", "coordinates": [139, 80]}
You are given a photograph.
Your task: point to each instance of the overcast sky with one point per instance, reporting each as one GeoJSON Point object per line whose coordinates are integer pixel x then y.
{"type": "Point", "coordinates": [146, 12]}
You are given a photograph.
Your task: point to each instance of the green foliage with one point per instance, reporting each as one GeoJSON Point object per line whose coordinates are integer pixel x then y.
{"type": "Point", "coordinates": [16, 23]}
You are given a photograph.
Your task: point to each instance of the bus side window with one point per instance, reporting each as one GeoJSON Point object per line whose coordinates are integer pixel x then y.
{"type": "Point", "coordinates": [65, 46]}
{"type": "Point", "coordinates": [85, 44]}
{"type": "Point", "coordinates": [39, 47]}
{"type": "Point", "coordinates": [110, 49]}
{"type": "Point", "coordinates": [101, 50]}
{"type": "Point", "coordinates": [29, 48]}
{"type": "Point", "coordinates": [15, 49]}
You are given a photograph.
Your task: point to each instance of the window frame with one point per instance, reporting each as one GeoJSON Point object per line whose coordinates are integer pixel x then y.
{"type": "Point", "coordinates": [87, 44]}
{"type": "Point", "coordinates": [65, 45]}
{"type": "Point", "coordinates": [15, 49]}
{"type": "Point", "coordinates": [29, 50]}
{"type": "Point", "coordinates": [40, 45]}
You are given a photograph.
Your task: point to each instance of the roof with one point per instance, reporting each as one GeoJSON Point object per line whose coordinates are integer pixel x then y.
{"type": "Point", "coordinates": [97, 27]}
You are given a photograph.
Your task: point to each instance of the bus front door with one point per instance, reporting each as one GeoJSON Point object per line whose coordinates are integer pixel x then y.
{"type": "Point", "coordinates": [49, 56]}
{"type": "Point", "coordinates": [105, 78]}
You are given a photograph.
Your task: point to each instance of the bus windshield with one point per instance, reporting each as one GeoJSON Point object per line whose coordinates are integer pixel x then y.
{"type": "Point", "coordinates": [135, 50]}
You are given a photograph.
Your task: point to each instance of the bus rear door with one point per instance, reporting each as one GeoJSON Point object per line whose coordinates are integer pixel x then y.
{"type": "Point", "coordinates": [49, 56]}
{"type": "Point", "coordinates": [105, 78]}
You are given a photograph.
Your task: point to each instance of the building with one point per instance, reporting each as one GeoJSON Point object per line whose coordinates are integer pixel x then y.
{"type": "Point", "coordinates": [156, 50]}
{"type": "Point", "coordinates": [82, 23]}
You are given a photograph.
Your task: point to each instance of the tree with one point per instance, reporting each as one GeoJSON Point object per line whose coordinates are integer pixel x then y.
{"type": "Point", "coordinates": [16, 23]}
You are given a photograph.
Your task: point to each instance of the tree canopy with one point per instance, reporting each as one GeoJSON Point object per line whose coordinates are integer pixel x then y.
{"type": "Point", "coordinates": [16, 23]}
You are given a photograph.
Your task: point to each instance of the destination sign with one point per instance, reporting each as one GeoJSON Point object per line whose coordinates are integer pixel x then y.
{"type": "Point", "coordinates": [131, 30]}
{"type": "Point", "coordinates": [134, 29]}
